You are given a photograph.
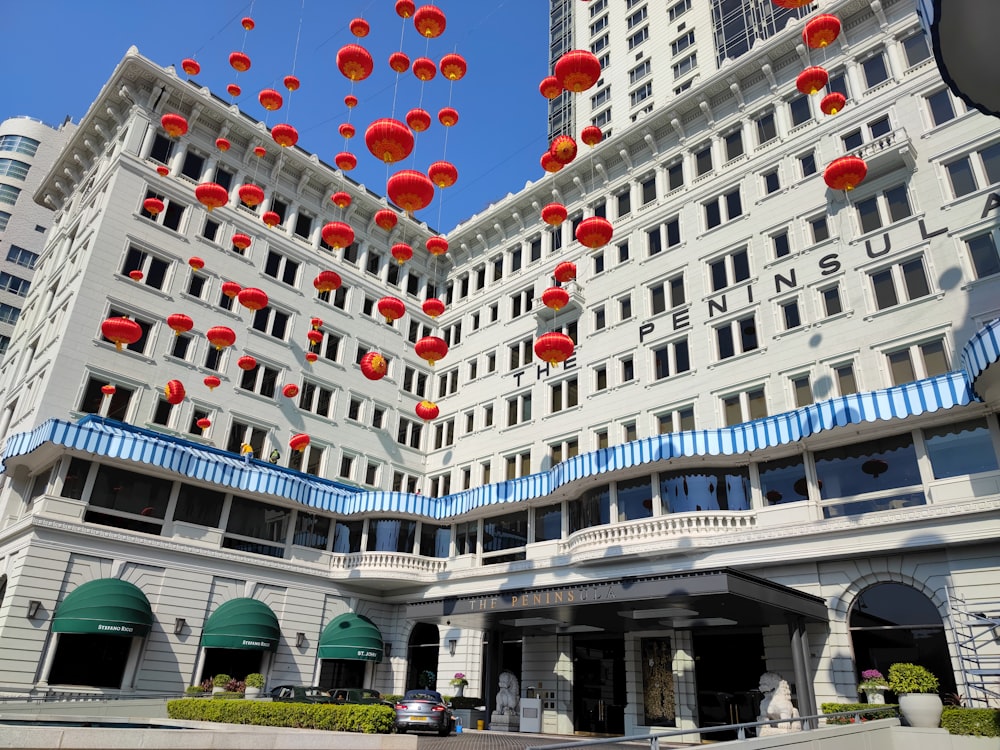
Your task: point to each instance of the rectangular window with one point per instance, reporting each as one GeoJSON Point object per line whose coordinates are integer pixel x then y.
{"type": "Point", "coordinates": [819, 229]}
{"type": "Point", "coordinates": [272, 321]}
{"type": "Point", "coordinates": [519, 409]}
{"type": "Point", "coordinates": [983, 252]}
{"type": "Point", "coordinates": [277, 266]}
{"type": "Point", "coordinates": [675, 177]}
{"type": "Point", "coordinates": [681, 43]}
{"type": "Point", "coordinates": [780, 244]}
{"type": "Point", "coordinates": [940, 106]}
{"type": "Point", "coordinates": [917, 362]}
{"type": "Point", "coordinates": [807, 164]}
{"type": "Point", "coordinates": [915, 48]}
{"type": "Point", "coordinates": [625, 307]}
{"type": "Point", "coordinates": [14, 284]}
{"type": "Point", "coordinates": [685, 65]}
{"type": "Point", "coordinates": [875, 70]}
{"type": "Point", "coordinates": [640, 94]}
{"type": "Point", "coordinates": [831, 301]}
{"type": "Point", "coordinates": [730, 269]}
{"type": "Point", "coordinates": [563, 395]}
{"type": "Point", "coordinates": [671, 359]}
{"type": "Point", "coordinates": [638, 37]}
{"type": "Point", "coordinates": [907, 277]}
{"type": "Point", "coordinates": [8, 194]}
{"type": "Point", "coordinates": [772, 183]}
{"type": "Point", "coordinates": [703, 160]}
{"type": "Point", "coordinates": [766, 128]}
{"type": "Point", "coordinates": [799, 109]}
{"type": "Point", "coordinates": [963, 180]}
{"type": "Point", "coordinates": [678, 9]}
{"type": "Point", "coordinates": [600, 319]}
{"type": "Point", "coordinates": [154, 269]}
{"type": "Point", "coordinates": [790, 314]}
{"type": "Point", "coordinates": [648, 190]}
{"type": "Point", "coordinates": [736, 337]}
{"type": "Point", "coordinates": [600, 378]}
{"type": "Point", "coordinates": [846, 383]}
{"type": "Point", "coordinates": [734, 145]}
{"type": "Point", "coordinates": [639, 72]}
{"type": "Point", "coordinates": [627, 368]}
{"type": "Point", "coordinates": [802, 391]}
{"type": "Point", "coordinates": [261, 380]}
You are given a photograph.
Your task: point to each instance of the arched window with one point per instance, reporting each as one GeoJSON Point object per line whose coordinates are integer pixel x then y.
{"type": "Point", "coordinates": [893, 622]}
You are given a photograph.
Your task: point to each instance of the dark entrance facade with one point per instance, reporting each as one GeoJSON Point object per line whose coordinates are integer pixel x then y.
{"type": "Point", "coordinates": [598, 684]}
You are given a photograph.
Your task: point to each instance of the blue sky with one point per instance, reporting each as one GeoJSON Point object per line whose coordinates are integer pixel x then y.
{"type": "Point", "coordinates": [59, 53]}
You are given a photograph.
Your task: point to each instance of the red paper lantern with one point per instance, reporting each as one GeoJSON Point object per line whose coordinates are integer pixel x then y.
{"type": "Point", "coordinates": [221, 336]}
{"type": "Point", "coordinates": [418, 119]}
{"type": "Point", "coordinates": [174, 124]}
{"type": "Point", "coordinates": [247, 23]}
{"type": "Point", "coordinates": [448, 116]}
{"type": "Point", "coordinates": [386, 219]}
{"type": "Point", "coordinates": [259, 151]}
{"type": "Point", "coordinates": [821, 30]}
{"type": "Point", "coordinates": [239, 61]}
{"type": "Point", "coordinates": [563, 149]}
{"type": "Point", "coordinates": [405, 8]}
{"type": "Point", "coordinates": [246, 362]}
{"type": "Point", "coordinates": [354, 62]}
{"type": "Point", "coordinates": [410, 190]}
{"type": "Point", "coordinates": [401, 252]}
{"type": "Point", "coordinates": [285, 135]}
{"type": "Point", "coordinates": [399, 62]}
{"type": "Point", "coordinates": [427, 410]}
{"type": "Point", "coordinates": [290, 391]}
{"type": "Point", "coordinates": [327, 281]}
{"type": "Point", "coordinates": [554, 214]}
{"type": "Point", "coordinates": [108, 390]}
{"type": "Point", "coordinates": [252, 298]}
{"type": "Point", "coordinates": [298, 442]}
{"type": "Point", "coordinates": [424, 69]}
{"type": "Point", "coordinates": [204, 423]}
{"type": "Point", "coordinates": [121, 331]}
{"type": "Point", "coordinates": [311, 357]}
{"type": "Point", "coordinates": [292, 83]}
{"type": "Point", "coordinates": [594, 232]}
{"type": "Point", "coordinates": [591, 135]}
{"type": "Point", "coordinates": [162, 171]}
{"type": "Point", "coordinates": [550, 87]}
{"type": "Point", "coordinates": [345, 161]}
{"type": "Point", "coordinates": [270, 99]}
{"type": "Point", "coordinates": [153, 205]}
{"type": "Point", "coordinates": [389, 140]}
{"type": "Point", "coordinates": [315, 337]}
{"type": "Point", "coordinates": [554, 347]}
{"type": "Point", "coordinates": [437, 245]}
{"type": "Point", "coordinates": [211, 195]}
{"type": "Point", "coordinates": [453, 66]}
{"type": "Point", "coordinates": [174, 391]}
{"type": "Point", "coordinates": [315, 322]}
{"type": "Point", "coordinates": [565, 271]}
{"type": "Point", "coordinates": [191, 67]}
{"type": "Point", "coordinates": [359, 27]}
{"type": "Point", "coordinates": [577, 70]}
{"type": "Point", "coordinates": [234, 90]}
{"type": "Point", "coordinates": [180, 323]}
{"type": "Point", "coordinates": [812, 79]}
{"type": "Point", "coordinates": [391, 308]}
{"type": "Point", "coordinates": [251, 195]}
{"type": "Point", "coordinates": [443, 174]}
{"type": "Point", "coordinates": [845, 173]}
{"type": "Point", "coordinates": [271, 218]}
{"type": "Point", "coordinates": [337, 234]}
{"type": "Point", "coordinates": [341, 199]}
{"type": "Point", "coordinates": [832, 103]}
{"type": "Point", "coordinates": [241, 241]}
{"type": "Point", "coordinates": [136, 275]}
{"type": "Point", "coordinates": [350, 101]}
{"type": "Point", "coordinates": [433, 307]}
{"type": "Point", "coordinates": [550, 163]}
{"type": "Point", "coordinates": [431, 349]}
{"type": "Point", "coordinates": [373, 366]}
{"type": "Point", "coordinates": [555, 298]}
{"type": "Point", "coordinates": [212, 382]}
{"type": "Point", "coordinates": [346, 130]}
{"type": "Point", "coordinates": [223, 144]}
{"type": "Point", "coordinates": [231, 288]}
{"type": "Point", "coordinates": [429, 21]}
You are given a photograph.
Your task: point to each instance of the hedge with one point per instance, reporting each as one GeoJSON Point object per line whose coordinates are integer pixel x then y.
{"type": "Point", "coordinates": [366, 719]}
{"type": "Point", "coordinates": [978, 722]}
{"type": "Point", "coordinates": [868, 713]}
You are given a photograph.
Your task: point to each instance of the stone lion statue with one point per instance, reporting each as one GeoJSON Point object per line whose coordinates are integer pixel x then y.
{"type": "Point", "coordinates": [776, 704]}
{"type": "Point", "coordinates": [508, 696]}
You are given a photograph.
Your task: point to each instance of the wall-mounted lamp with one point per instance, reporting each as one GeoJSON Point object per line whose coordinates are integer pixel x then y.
{"type": "Point", "coordinates": [452, 643]}
{"type": "Point", "coordinates": [33, 606]}
{"type": "Point", "coordinates": [179, 624]}
{"type": "Point", "coordinates": [300, 640]}
{"type": "Point", "coordinates": [387, 650]}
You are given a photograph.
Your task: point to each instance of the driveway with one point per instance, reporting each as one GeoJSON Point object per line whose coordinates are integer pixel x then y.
{"type": "Point", "coordinates": [474, 740]}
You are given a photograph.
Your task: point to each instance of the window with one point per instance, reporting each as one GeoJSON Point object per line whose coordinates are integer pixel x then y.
{"type": "Point", "coordinates": [488, 415]}
{"type": "Point", "coordinates": [261, 380]}
{"type": "Point", "coordinates": [799, 109]}
{"type": "Point", "coordinates": [772, 183]}
{"type": "Point", "coordinates": [408, 432]}
{"type": "Point", "coordinates": [210, 231]}
{"type": "Point", "coordinates": [8, 194]}
{"type": "Point", "coordinates": [790, 314]}
{"type": "Point", "coordinates": [241, 433]}
{"type": "Point", "coordinates": [635, 18]}
{"type": "Point", "coordinates": [154, 269]}
{"type": "Point", "coordinates": [599, 44]}
{"type": "Point", "coordinates": [14, 284]}
{"type": "Point", "coordinates": [597, 6]}
{"type": "Point", "coordinates": [172, 215]}
{"type": "Point", "coordinates": [917, 362]}
{"type": "Point", "coordinates": [316, 398]}
{"type": "Point", "coordinates": [648, 190]}
{"type": "Point", "coordinates": [766, 129]}
{"type": "Point", "coordinates": [908, 277]}
{"type": "Point", "coordinates": [139, 346]}
{"type": "Point", "coordinates": [962, 448]}
{"type": "Point", "coordinates": [671, 359]}
{"type": "Point", "coordinates": [830, 297]}
{"type": "Point", "coordinates": [734, 145]}
{"type": "Point", "coordinates": [19, 144]}
{"type": "Point", "coordinates": [678, 420]}
{"type": "Point", "coordinates": [686, 65]}
{"type": "Point", "coordinates": [678, 9]}
{"type": "Point", "coordinates": [623, 251]}
{"type": "Point", "coordinates": [807, 164]}
{"type": "Point", "coordinates": [600, 318]}
{"type": "Point", "coordinates": [444, 434]}
{"type": "Point", "coordinates": [599, 25]}
{"type": "Point", "coordinates": [272, 321]}
{"type": "Point", "coordinates": [703, 160]}
{"type": "Point", "coordinates": [744, 407]}
{"type": "Point", "coordinates": [780, 244]}
{"type": "Point", "coordinates": [520, 303]}
{"type": "Point", "coordinates": [414, 381]}
{"type": "Point", "coordinates": [518, 465]}
{"type": "Point", "coordinates": [9, 314]}
{"type": "Point", "coordinates": [915, 48]}
{"type": "Point", "coordinates": [875, 70]}
{"type": "Point", "coordinates": [983, 252]}
{"type": "Point", "coordinates": [940, 106]}
{"type": "Point", "coordinates": [563, 395]}
{"type": "Point", "coordinates": [280, 267]}
{"type": "Point", "coordinates": [892, 204]}
{"type": "Point", "coordinates": [4, 220]}
{"type": "Point", "coordinates": [978, 168]}
{"type": "Point", "coordinates": [14, 169]}
{"type": "Point", "coordinates": [740, 333]}
{"type": "Point", "coordinates": [498, 267]}
{"type": "Point", "coordinates": [730, 269]}
{"type": "Point", "coordinates": [627, 368]}
{"type": "Point", "coordinates": [639, 37]}
{"type": "Point", "coordinates": [641, 94]}
{"type": "Point", "coordinates": [518, 409]}
{"type": "Point", "coordinates": [723, 208]}
{"type": "Point", "coordinates": [846, 382]}
{"type": "Point", "coordinates": [675, 177]}
{"type": "Point", "coordinates": [520, 353]}
{"type": "Point", "coordinates": [639, 72]}
{"type": "Point", "coordinates": [448, 383]}
{"type": "Point", "coordinates": [194, 164]}
{"type": "Point", "coordinates": [625, 307]}
{"type": "Point", "coordinates": [666, 295]}
{"type": "Point", "coordinates": [624, 200]}
{"type": "Point", "coordinates": [600, 378]}
{"type": "Point", "coordinates": [563, 450]}
{"type": "Point", "coordinates": [180, 346]}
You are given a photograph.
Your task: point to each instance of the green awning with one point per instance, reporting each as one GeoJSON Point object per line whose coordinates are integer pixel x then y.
{"type": "Point", "coordinates": [242, 623]}
{"type": "Point", "coordinates": [351, 636]}
{"type": "Point", "coordinates": [107, 606]}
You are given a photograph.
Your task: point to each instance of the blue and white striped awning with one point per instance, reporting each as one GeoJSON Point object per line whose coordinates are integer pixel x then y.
{"type": "Point", "coordinates": [982, 351]}
{"type": "Point", "coordinates": [107, 439]}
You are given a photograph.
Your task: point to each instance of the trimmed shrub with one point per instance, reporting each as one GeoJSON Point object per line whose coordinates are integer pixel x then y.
{"type": "Point", "coordinates": [194, 690]}
{"type": "Point", "coordinates": [255, 679]}
{"type": "Point", "coordinates": [221, 680]}
{"type": "Point", "coordinates": [868, 713]}
{"type": "Point", "coordinates": [977, 722]}
{"type": "Point", "coordinates": [366, 719]}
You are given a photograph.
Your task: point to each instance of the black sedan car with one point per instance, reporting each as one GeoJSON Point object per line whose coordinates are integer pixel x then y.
{"type": "Point", "coordinates": [424, 710]}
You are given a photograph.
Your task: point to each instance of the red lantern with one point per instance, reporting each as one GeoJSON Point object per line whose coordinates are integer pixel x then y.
{"type": "Point", "coordinates": [345, 161]}
{"type": "Point", "coordinates": [298, 442]}
{"type": "Point", "coordinates": [373, 366]}
{"type": "Point", "coordinates": [204, 423]}
{"type": "Point", "coordinates": [443, 174]}
{"type": "Point", "coordinates": [247, 23]}
{"type": "Point", "coordinates": [399, 62]}
{"type": "Point", "coordinates": [354, 62]}
{"type": "Point", "coordinates": [285, 135]}
{"type": "Point", "coordinates": [437, 245]}
{"type": "Point", "coordinates": [234, 90]}
{"type": "Point", "coordinates": [252, 298]}
{"type": "Point", "coordinates": [565, 271]}
{"type": "Point", "coordinates": [405, 8]}
{"type": "Point", "coordinates": [845, 173]}
{"type": "Point", "coordinates": [424, 69]}
{"type": "Point", "coordinates": [453, 66]}
{"type": "Point", "coordinates": [315, 322]}
{"type": "Point", "coordinates": [431, 349]}
{"type": "Point", "coordinates": [231, 288]}
{"type": "Point", "coordinates": [135, 275]}
{"type": "Point", "coordinates": [211, 195]}
{"type": "Point", "coordinates": [241, 241]}
{"type": "Point", "coordinates": [448, 116]}
{"type": "Point", "coordinates": [290, 391]}
{"type": "Point", "coordinates": [221, 336]}
{"type": "Point", "coordinates": [549, 162]}
{"type": "Point", "coordinates": [222, 144]}
{"type": "Point", "coordinates": [550, 87]}
{"type": "Point", "coordinates": [337, 234]}
{"type": "Point", "coordinates": [812, 79]}
{"type": "Point", "coordinates": [832, 103]}
{"type": "Point", "coordinates": [418, 119]}
{"type": "Point", "coordinates": [327, 281]}
{"type": "Point", "coordinates": [554, 347]}
{"type": "Point", "coordinates": [401, 252]}
{"type": "Point", "coordinates": [410, 190]}
{"type": "Point", "coordinates": [821, 30]}
{"type": "Point", "coordinates": [162, 171]}
{"type": "Point", "coordinates": [270, 99]}
{"type": "Point", "coordinates": [180, 323]}
{"type": "Point", "coordinates": [554, 214]}
{"type": "Point", "coordinates": [292, 83]}
{"type": "Point", "coordinates": [563, 149]}
{"type": "Point", "coordinates": [108, 390]}
{"type": "Point", "coordinates": [433, 307]}
{"type": "Point", "coordinates": [350, 101]}
{"type": "Point", "coordinates": [591, 135]}
{"type": "Point", "coordinates": [346, 130]}
{"type": "Point", "coordinates": [555, 298]}
{"type": "Point", "coordinates": [429, 21]}
{"type": "Point", "coordinates": [191, 67]}
{"type": "Point", "coordinates": [391, 308]}
{"type": "Point", "coordinates": [311, 357]}
{"type": "Point", "coordinates": [427, 410]}
{"type": "Point", "coordinates": [212, 382]}
{"type": "Point", "coordinates": [259, 151]}
{"type": "Point", "coordinates": [315, 337]}
{"type": "Point", "coordinates": [386, 219]}
{"type": "Point", "coordinates": [121, 331]}
{"type": "Point", "coordinates": [389, 140]}
{"type": "Point", "coordinates": [341, 199]}
{"type": "Point", "coordinates": [577, 70]}
{"type": "Point", "coordinates": [174, 124]}
{"type": "Point", "coordinates": [251, 195]}
{"type": "Point", "coordinates": [246, 362]}
{"type": "Point", "coordinates": [359, 27]}
{"type": "Point", "coordinates": [174, 391]}
{"type": "Point", "coordinates": [594, 232]}
{"type": "Point", "coordinates": [153, 205]}
{"type": "Point", "coordinates": [239, 61]}
{"type": "Point", "coordinates": [271, 218]}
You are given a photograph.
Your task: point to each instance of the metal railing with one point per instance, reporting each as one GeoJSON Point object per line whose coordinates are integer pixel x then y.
{"type": "Point", "coordinates": [83, 697]}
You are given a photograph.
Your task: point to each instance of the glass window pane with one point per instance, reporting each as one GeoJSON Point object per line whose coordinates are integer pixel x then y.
{"type": "Point", "coordinates": [885, 290]}
{"type": "Point", "coordinates": [935, 358]}
{"type": "Point", "coordinates": [871, 466]}
{"type": "Point", "coordinates": [983, 250]}
{"type": "Point", "coordinates": [963, 181]}
{"type": "Point", "coordinates": [783, 480]}
{"type": "Point", "coordinates": [991, 163]}
{"type": "Point", "coordinates": [868, 215]}
{"type": "Point", "coordinates": [963, 448]}
{"type": "Point", "coordinates": [901, 367]}
{"type": "Point", "coordinates": [941, 107]}
{"type": "Point", "coordinates": [711, 489]}
{"type": "Point", "coordinates": [899, 204]}
{"type": "Point", "coordinates": [915, 279]}
{"type": "Point", "coordinates": [635, 499]}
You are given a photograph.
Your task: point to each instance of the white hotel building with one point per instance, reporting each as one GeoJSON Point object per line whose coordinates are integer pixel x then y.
{"type": "Point", "coordinates": [775, 447]}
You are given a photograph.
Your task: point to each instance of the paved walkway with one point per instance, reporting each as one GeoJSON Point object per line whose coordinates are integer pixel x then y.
{"type": "Point", "coordinates": [475, 740]}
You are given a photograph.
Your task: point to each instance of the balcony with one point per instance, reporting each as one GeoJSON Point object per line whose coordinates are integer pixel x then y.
{"type": "Point", "coordinates": [888, 152]}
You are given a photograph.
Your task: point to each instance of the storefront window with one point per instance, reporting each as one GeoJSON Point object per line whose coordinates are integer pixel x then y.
{"type": "Point", "coordinates": [963, 448]}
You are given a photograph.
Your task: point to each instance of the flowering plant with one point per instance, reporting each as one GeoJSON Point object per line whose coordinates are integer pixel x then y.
{"type": "Point", "coordinates": [459, 679]}
{"type": "Point", "coordinates": [872, 678]}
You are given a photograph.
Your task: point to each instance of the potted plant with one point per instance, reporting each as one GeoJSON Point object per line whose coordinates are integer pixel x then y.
{"type": "Point", "coordinates": [916, 688]}
{"type": "Point", "coordinates": [873, 684]}
{"type": "Point", "coordinates": [219, 683]}
{"type": "Point", "coordinates": [459, 682]}
{"type": "Point", "coordinates": [254, 684]}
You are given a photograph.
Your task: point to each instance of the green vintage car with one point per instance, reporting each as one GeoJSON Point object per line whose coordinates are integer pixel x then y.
{"type": "Point", "coordinates": [300, 694]}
